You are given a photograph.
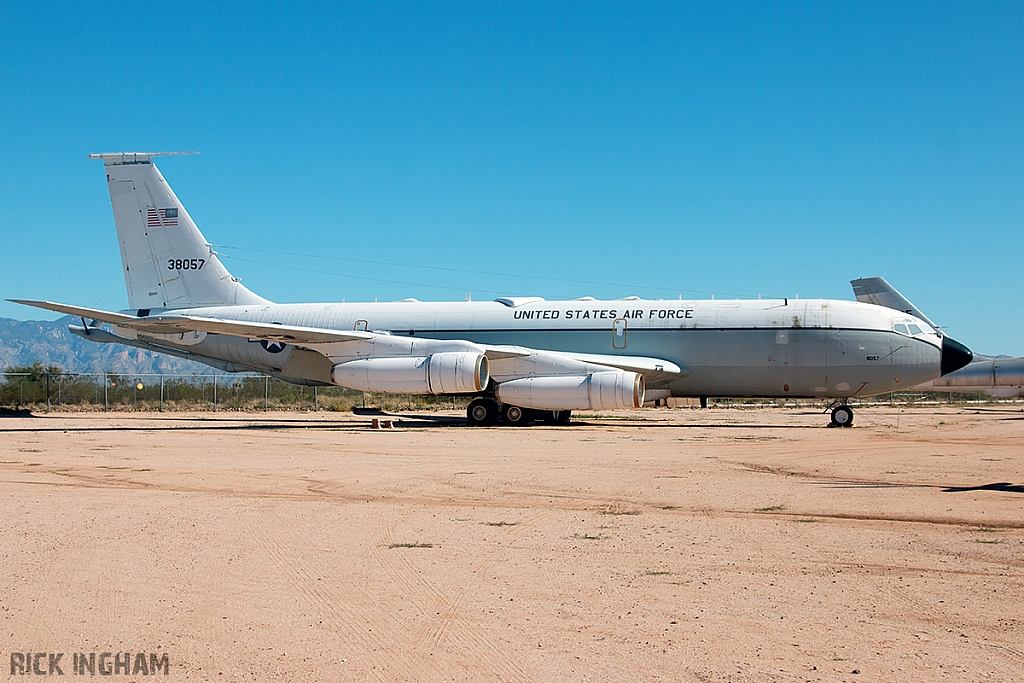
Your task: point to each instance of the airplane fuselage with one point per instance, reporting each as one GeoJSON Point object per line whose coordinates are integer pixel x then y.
{"type": "Point", "coordinates": [770, 348]}
{"type": "Point", "coordinates": [998, 377]}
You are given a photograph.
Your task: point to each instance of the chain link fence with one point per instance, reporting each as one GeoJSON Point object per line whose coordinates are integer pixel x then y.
{"type": "Point", "coordinates": [51, 389]}
{"type": "Point", "coordinates": [39, 388]}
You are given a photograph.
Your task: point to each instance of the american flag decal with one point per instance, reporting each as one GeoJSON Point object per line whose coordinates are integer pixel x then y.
{"type": "Point", "coordinates": [157, 217]}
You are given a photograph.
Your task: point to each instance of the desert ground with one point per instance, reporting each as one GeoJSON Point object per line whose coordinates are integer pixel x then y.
{"type": "Point", "coordinates": [655, 545]}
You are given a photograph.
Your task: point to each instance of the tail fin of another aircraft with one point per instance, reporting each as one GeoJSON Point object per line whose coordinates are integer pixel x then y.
{"type": "Point", "coordinates": [876, 290]}
{"type": "Point", "coordinates": [167, 261]}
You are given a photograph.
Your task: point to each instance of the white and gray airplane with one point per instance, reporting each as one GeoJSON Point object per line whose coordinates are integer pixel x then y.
{"type": "Point", "coordinates": [1000, 377]}
{"type": "Point", "coordinates": [522, 358]}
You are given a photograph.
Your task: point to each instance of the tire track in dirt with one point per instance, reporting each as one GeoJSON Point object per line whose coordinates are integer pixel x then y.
{"type": "Point", "coordinates": [417, 592]}
{"type": "Point", "coordinates": [442, 611]}
{"type": "Point", "coordinates": [541, 498]}
{"type": "Point", "coordinates": [351, 619]}
{"type": "Point", "coordinates": [1015, 652]}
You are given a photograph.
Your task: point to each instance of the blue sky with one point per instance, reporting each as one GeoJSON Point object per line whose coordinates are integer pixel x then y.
{"type": "Point", "coordinates": [557, 149]}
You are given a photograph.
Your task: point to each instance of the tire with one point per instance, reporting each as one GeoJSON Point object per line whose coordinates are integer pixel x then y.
{"type": "Point", "coordinates": [842, 416]}
{"type": "Point", "coordinates": [482, 412]}
{"type": "Point", "coordinates": [515, 416]}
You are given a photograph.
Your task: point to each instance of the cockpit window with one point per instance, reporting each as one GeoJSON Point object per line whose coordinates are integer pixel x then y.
{"type": "Point", "coordinates": [909, 329]}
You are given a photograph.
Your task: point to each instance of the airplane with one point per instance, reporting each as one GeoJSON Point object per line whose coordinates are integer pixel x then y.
{"type": "Point", "coordinates": [522, 359]}
{"type": "Point", "coordinates": [1000, 377]}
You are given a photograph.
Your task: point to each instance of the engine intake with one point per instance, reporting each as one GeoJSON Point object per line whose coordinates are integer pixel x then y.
{"type": "Point", "coordinates": [438, 373]}
{"type": "Point", "coordinates": [611, 390]}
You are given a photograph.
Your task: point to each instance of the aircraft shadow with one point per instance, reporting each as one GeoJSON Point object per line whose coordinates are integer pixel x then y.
{"type": "Point", "coordinates": [713, 425]}
{"type": "Point", "coordinates": [399, 420]}
{"type": "Point", "coordinates": [1003, 486]}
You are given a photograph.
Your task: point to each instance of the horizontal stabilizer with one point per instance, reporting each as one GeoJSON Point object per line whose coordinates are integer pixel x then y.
{"type": "Point", "coordinates": [174, 324]}
{"type": "Point", "coordinates": [117, 158]}
{"type": "Point", "coordinates": [91, 313]}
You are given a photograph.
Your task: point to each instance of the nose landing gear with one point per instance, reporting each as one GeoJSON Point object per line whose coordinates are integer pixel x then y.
{"type": "Point", "coordinates": [842, 416]}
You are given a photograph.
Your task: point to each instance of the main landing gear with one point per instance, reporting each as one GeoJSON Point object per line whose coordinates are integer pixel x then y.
{"type": "Point", "coordinates": [485, 412]}
{"type": "Point", "coordinates": [842, 416]}
{"type": "Point", "coordinates": [482, 412]}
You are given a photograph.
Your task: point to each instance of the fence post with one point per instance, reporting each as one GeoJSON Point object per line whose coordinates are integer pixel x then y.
{"type": "Point", "coordinates": [106, 385]}
{"type": "Point", "coordinates": [316, 400]}
{"type": "Point", "coordinates": [266, 393]}
{"type": "Point", "coordinates": [215, 392]}
{"type": "Point", "coordinates": [47, 392]}
{"type": "Point", "coordinates": [161, 392]}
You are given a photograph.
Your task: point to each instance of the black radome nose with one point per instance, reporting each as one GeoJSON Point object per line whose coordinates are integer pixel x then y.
{"type": "Point", "coordinates": [954, 356]}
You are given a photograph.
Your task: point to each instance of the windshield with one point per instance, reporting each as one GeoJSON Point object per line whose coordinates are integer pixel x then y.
{"type": "Point", "coordinates": [912, 329]}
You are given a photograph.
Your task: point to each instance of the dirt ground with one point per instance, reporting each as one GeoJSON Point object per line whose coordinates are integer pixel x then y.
{"type": "Point", "coordinates": [657, 545]}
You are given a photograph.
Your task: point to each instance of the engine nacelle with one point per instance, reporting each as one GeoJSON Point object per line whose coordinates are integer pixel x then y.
{"type": "Point", "coordinates": [611, 390]}
{"type": "Point", "coordinates": [438, 373]}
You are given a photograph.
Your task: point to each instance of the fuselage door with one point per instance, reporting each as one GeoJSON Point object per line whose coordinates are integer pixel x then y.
{"type": "Point", "coordinates": [619, 333]}
{"type": "Point", "coordinates": [360, 326]}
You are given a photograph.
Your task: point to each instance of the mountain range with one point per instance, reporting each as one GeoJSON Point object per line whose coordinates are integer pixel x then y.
{"type": "Point", "coordinates": [24, 342]}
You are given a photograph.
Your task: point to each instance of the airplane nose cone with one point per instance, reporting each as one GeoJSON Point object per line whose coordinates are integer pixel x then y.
{"type": "Point", "coordinates": [954, 356]}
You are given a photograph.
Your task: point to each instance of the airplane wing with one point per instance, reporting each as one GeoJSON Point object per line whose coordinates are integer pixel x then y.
{"type": "Point", "coordinates": [173, 324]}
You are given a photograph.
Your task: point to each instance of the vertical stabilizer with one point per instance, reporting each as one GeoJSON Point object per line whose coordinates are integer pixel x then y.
{"type": "Point", "coordinates": [876, 290]}
{"type": "Point", "coordinates": [167, 261]}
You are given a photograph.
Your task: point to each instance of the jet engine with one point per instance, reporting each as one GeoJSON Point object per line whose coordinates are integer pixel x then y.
{"type": "Point", "coordinates": [438, 373]}
{"type": "Point", "coordinates": [610, 390]}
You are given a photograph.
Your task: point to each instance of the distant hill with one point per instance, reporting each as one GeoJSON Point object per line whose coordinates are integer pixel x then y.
{"type": "Point", "coordinates": [24, 342]}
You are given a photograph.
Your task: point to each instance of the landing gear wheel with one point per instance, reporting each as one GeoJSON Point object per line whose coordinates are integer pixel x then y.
{"type": "Point", "coordinates": [555, 417]}
{"type": "Point", "coordinates": [515, 416]}
{"type": "Point", "coordinates": [842, 416]}
{"type": "Point", "coordinates": [482, 412]}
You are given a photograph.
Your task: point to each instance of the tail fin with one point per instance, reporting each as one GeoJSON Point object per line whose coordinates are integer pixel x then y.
{"type": "Point", "coordinates": [167, 261]}
{"type": "Point", "coordinates": [876, 290]}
